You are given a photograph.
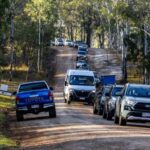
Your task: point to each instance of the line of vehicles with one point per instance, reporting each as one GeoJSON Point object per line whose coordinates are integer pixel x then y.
{"type": "Point", "coordinates": [129, 102]}
{"type": "Point", "coordinates": [67, 42]}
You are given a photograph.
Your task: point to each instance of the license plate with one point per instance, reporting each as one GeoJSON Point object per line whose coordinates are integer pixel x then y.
{"type": "Point", "coordinates": [34, 106]}
{"type": "Point", "coordinates": [146, 115]}
{"type": "Point", "coordinates": [82, 98]}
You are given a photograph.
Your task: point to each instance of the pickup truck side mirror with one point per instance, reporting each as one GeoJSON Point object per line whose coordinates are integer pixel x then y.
{"type": "Point", "coordinates": [51, 88]}
{"type": "Point", "coordinates": [14, 93]}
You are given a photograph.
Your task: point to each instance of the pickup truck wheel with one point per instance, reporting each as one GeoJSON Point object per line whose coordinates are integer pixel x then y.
{"type": "Point", "coordinates": [122, 121]}
{"type": "Point", "coordinates": [52, 112]}
{"type": "Point", "coordinates": [94, 109]}
{"type": "Point", "coordinates": [19, 116]}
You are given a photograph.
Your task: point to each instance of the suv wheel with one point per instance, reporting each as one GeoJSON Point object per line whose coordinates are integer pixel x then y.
{"type": "Point", "coordinates": [109, 116]}
{"type": "Point", "coordinates": [116, 119]}
{"type": "Point", "coordinates": [52, 112]}
{"type": "Point", "coordinates": [100, 112]}
{"type": "Point", "coordinates": [94, 109]}
{"type": "Point", "coordinates": [122, 121]}
{"type": "Point", "coordinates": [19, 116]}
{"type": "Point", "coordinates": [104, 113]}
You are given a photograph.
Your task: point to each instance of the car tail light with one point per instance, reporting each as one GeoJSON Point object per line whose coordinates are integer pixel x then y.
{"type": "Point", "coordinates": [17, 99]}
{"type": "Point", "coordinates": [50, 95]}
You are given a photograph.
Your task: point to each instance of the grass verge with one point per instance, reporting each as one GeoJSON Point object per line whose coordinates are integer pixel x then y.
{"type": "Point", "coordinates": [6, 103]}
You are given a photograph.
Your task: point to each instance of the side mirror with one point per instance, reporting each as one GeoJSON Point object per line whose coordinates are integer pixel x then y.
{"type": "Point", "coordinates": [51, 88]}
{"type": "Point", "coordinates": [14, 93]}
{"type": "Point", "coordinates": [66, 83]}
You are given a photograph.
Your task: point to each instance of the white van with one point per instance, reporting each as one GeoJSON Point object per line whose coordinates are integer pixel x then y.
{"type": "Point", "coordinates": [79, 86]}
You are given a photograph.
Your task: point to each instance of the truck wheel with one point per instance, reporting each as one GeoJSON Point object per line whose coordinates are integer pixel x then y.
{"type": "Point", "coordinates": [122, 121]}
{"type": "Point", "coordinates": [19, 116]}
{"type": "Point", "coordinates": [94, 109]}
{"type": "Point", "coordinates": [52, 112]}
{"type": "Point", "coordinates": [68, 100]}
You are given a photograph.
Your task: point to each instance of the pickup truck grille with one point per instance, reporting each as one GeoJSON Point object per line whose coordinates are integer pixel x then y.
{"type": "Point", "coordinates": [142, 106]}
{"type": "Point", "coordinates": [82, 93]}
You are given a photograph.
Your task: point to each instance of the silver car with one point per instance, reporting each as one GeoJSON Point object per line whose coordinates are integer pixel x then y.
{"type": "Point", "coordinates": [133, 105]}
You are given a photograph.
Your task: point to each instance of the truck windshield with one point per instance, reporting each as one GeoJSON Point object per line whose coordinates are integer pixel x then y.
{"type": "Point", "coordinates": [81, 80]}
{"type": "Point", "coordinates": [32, 86]}
{"type": "Point", "coordinates": [140, 91]}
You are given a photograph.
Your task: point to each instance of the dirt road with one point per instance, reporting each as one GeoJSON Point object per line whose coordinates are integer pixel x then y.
{"type": "Point", "coordinates": [75, 127]}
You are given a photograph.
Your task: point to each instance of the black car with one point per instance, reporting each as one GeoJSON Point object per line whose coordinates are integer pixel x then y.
{"type": "Point", "coordinates": [109, 105]}
{"type": "Point", "coordinates": [100, 98]}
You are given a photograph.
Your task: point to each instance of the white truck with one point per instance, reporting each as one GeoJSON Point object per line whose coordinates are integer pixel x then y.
{"type": "Point", "coordinates": [79, 86]}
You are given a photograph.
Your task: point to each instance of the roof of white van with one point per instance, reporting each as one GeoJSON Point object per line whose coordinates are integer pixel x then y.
{"type": "Point", "coordinates": [80, 72]}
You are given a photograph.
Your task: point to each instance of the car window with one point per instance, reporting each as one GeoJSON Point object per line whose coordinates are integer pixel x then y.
{"type": "Point", "coordinates": [81, 80]}
{"type": "Point", "coordinates": [138, 91]}
{"type": "Point", "coordinates": [115, 90]}
{"type": "Point", "coordinates": [32, 86]}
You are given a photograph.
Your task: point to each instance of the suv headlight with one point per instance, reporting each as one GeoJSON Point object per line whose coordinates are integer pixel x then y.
{"type": "Point", "coordinates": [130, 102]}
{"type": "Point", "coordinates": [71, 90]}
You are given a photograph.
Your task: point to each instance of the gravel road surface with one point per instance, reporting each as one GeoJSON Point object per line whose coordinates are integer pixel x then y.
{"type": "Point", "coordinates": [75, 127]}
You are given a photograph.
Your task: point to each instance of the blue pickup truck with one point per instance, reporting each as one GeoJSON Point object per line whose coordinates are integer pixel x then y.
{"type": "Point", "coordinates": [34, 97]}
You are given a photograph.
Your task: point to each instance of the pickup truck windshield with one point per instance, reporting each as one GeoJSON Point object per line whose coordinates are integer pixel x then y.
{"type": "Point", "coordinates": [32, 86]}
{"type": "Point", "coordinates": [138, 92]}
{"type": "Point", "coordinates": [81, 80]}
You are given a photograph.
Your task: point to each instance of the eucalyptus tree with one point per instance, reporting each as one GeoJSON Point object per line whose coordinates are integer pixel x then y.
{"type": "Point", "coordinates": [44, 13]}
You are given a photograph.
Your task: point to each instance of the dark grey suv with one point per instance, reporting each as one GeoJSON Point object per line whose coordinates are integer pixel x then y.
{"type": "Point", "coordinates": [134, 104]}
{"type": "Point", "coordinates": [100, 98]}
{"type": "Point", "coordinates": [109, 104]}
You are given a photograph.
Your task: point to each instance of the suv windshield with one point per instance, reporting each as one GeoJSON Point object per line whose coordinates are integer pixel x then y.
{"type": "Point", "coordinates": [140, 91]}
{"type": "Point", "coordinates": [81, 80]}
{"type": "Point", "coordinates": [82, 53]}
{"type": "Point", "coordinates": [32, 86]}
{"type": "Point", "coordinates": [115, 90]}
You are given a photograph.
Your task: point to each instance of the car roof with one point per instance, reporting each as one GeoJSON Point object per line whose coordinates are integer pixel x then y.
{"type": "Point", "coordinates": [80, 72]}
{"type": "Point", "coordinates": [32, 82]}
{"type": "Point", "coordinates": [137, 85]}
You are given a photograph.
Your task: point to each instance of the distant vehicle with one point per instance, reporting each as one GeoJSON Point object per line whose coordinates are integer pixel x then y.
{"type": "Point", "coordinates": [52, 43]}
{"type": "Point", "coordinates": [80, 63]}
{"type": "Point", "coordinates": [81, 56]}
{"type": "Point", "coordinates": [81, 49]}
{"type": "Point", "coordinates": [34, 97]}
{"type": "Point", "coordinates": [79, 86]}
{"type": "Point", "coordinates": [133, 105]}
{"type": "Point", "coordinates": [109, 104]}
{"type": "Point", "coordinates": [100, 99]}
{"type": "Point", "coordinates": [83, 45]}
{"type": "Point", "coordinates": [69, 43]}
{"type": "Point", "coordinates": [59, 42]}
{"type": "Point", "coordinates": [84, 67]}
{"type": "Point", "coordinates": [77, 43]}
